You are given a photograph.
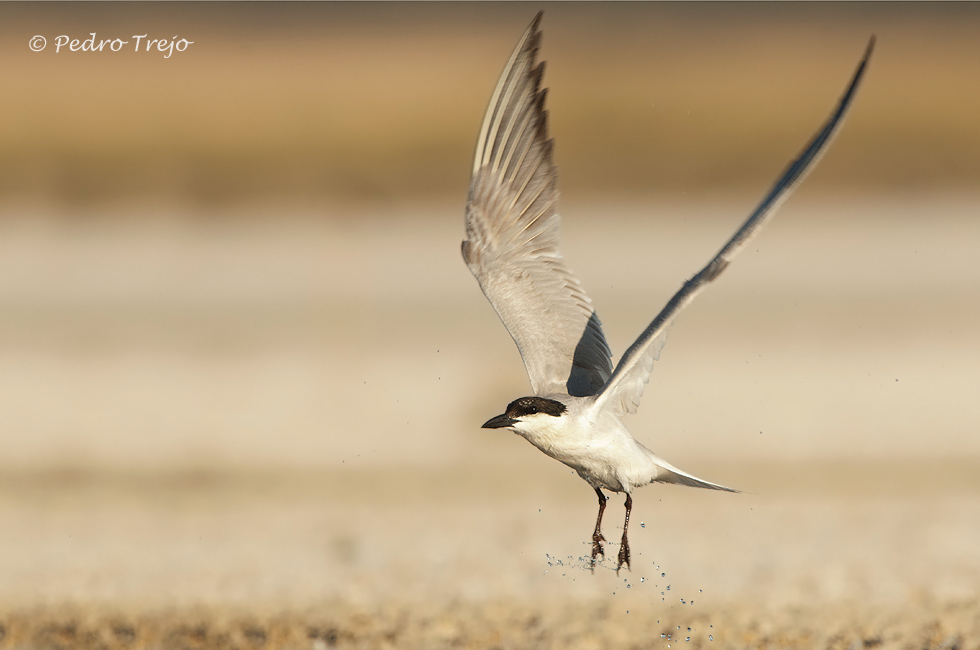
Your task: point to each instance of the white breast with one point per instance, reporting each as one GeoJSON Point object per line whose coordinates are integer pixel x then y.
{"type": "Point", "coordinates": [602, 451]}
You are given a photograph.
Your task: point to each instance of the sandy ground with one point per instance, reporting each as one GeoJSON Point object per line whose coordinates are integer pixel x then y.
{"type": "Point", "coordinates": [489, 557]}
{"type": "Point", "coordinates": [502, 625]}
{"type": "Point", "coordinates": [485, 557]}
{"type": "Point", "coordinates": [255, 433]}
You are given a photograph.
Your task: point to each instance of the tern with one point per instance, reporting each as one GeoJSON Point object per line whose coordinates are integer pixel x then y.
{"type": "Point", "coordinates": [576, 412]}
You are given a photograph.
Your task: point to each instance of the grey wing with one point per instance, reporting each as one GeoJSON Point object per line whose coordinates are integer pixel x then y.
{"type": "Point", "coordinates": [623, 392]}
{"type": "Point", "coordinates": [512, 237]}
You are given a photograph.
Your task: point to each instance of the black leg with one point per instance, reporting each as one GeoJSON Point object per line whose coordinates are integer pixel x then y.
{"type": "Point", "coordinates": [624, 549]}
{"type": "Point", "coordinates": [597, 537]}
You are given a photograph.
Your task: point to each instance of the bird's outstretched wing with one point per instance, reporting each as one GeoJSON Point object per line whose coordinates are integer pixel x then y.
{"type": "Point", "coordinates": [512, 236]}
{"type": "Point", "coordinates": [625, 388]}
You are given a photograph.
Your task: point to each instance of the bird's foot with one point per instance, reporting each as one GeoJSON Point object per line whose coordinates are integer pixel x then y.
{"type": "Point", "coordinates": [597, 540]}
{"type": "Point", "coordinates": [624, 555]}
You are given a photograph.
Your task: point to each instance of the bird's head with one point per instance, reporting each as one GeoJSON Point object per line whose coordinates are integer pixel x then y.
{"type": "Point", "coordinates": [533, 411]}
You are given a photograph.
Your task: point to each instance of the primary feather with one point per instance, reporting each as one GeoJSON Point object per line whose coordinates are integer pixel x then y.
{"type": "Point", "coordinates": [625, 388]}
{"type": "Point", "coordinates": [512, 237]}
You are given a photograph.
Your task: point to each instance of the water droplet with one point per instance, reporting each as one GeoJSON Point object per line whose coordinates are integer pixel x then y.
{"type": "Point", "coordinates": [642, 525]}
{"type": "Point", "coordinates": [711, 638]}
{"type": "Point", "coordinates": [643, 579]}
{"type": "Point", "coordinates": [668, 587]}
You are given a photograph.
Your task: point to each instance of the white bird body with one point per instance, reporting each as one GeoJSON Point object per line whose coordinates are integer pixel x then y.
{"type": "Point", "coordinates": [575, 414]}
{"type": "Point", "coordinates": [595, 445]}
{"type": "Point", "coordinates": [599, 447]}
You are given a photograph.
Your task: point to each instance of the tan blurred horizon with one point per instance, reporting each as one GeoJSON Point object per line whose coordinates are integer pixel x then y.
{"type": "Point", "coordinates": [379, 103]}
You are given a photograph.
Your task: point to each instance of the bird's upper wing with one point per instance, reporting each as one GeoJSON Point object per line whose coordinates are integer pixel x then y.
{"type": "Point", "coordinates": [512, 237]}
{"type": "Point", "coordinates": [625, 388]}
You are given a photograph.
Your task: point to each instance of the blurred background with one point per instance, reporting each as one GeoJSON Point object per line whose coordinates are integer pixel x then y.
{"type": "Point", "coordinates": [241, 359]}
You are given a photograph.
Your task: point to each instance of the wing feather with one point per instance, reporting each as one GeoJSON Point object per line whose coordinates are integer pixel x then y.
{"type": "Point", "coordinates": [511, 241]}
{"type": "Point", "coordinates": [625, 388]}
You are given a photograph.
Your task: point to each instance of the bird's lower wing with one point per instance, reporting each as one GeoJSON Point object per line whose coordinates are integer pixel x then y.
{"type": "Point", "coordinates": [625, 388]}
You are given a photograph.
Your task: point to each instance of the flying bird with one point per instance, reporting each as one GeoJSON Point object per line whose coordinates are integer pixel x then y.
{"type": "Point", "coordinates": [575, 414]}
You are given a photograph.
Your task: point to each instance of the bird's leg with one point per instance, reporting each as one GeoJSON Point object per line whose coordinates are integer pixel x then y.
{"type": "Point", "coordinates": [597, 537]}
{"type": "Point", "coordinates": [624, 548]}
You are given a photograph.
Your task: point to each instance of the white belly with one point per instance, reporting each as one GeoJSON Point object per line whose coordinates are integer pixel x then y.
{"type": "Point", "coordinates": [605, 457]}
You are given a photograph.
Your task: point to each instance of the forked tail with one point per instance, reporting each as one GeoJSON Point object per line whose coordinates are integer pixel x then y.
{"type": "Point", "coordinates": [667, 473]}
